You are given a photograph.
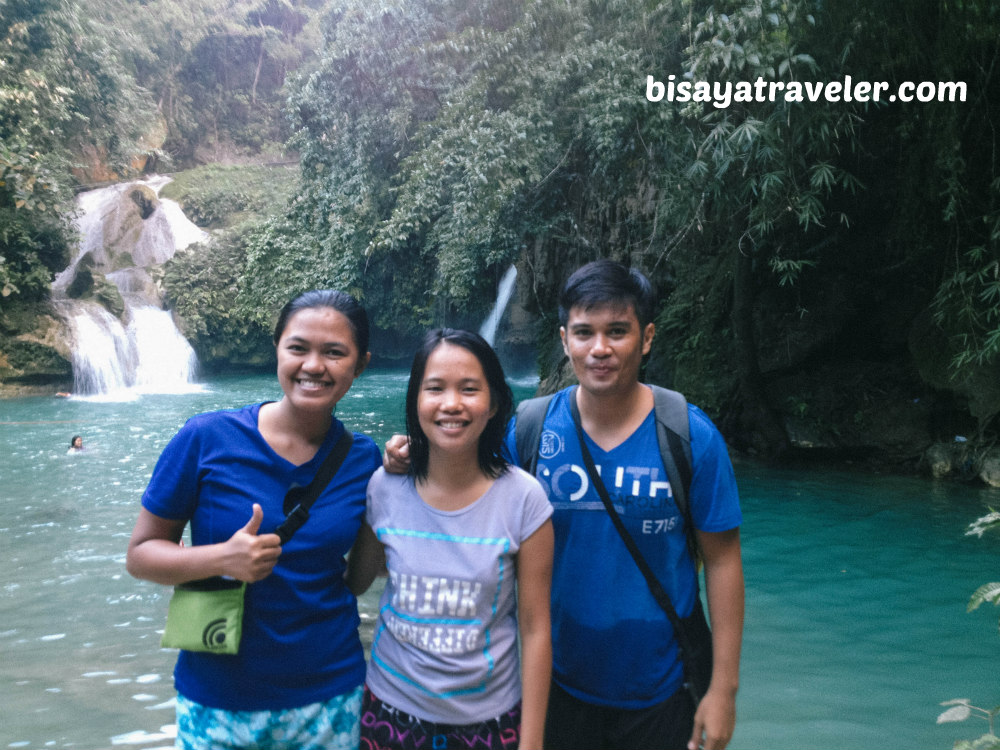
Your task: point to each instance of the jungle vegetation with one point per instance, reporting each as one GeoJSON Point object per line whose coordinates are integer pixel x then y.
{"type": "Point", "coordinates": [79, 81]}
{"type": "Point", "coordinates": [440, 141]}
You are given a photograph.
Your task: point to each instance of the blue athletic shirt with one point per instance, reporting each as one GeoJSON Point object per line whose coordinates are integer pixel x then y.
{"type": "Point", "coordinates": [612, 644]}
{"type": "Point", "coordinates": [300, 629]}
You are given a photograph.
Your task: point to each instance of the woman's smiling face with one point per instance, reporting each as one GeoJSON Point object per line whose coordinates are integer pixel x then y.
{"type": "Point", "coordinates": [454, 403]}
{"type": "Point", "coordinates": [318, 358]}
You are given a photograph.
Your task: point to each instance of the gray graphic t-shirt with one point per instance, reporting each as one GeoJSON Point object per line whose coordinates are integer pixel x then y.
{"type": "Point", "coordinates": [445, 644]}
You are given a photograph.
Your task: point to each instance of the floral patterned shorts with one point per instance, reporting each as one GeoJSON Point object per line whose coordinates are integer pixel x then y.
{"type": "Point", "coordinates": [330, 725]}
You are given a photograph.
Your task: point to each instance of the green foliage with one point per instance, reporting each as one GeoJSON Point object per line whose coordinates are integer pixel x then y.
{"type": "Point", "coordinates": [983, 524]}
{"type": "Point", "coordinates": [225, 196]}
{"type": "Point", "coordinates": [71, 82]}
{"type": "Point", "coordinates": [450, 142]}
{"type": "Point", "coordinates": [275, 253]}
{"type": "Point", "coordinates": [988, 592]}
{"type": "Point", "coordinates": [967, 304]}
{"type": "Point", "coordinates": [788, 270]}
{"type": "Point", "coordinates": [961, 708]}
{"type": "Point", "coordinates": [202, 284]}
{"type": "Point", "coordinates": [61, 89]}
{"type": "Point", "coordinates": [433, 157]}
{"type": "Point", "coordinates": [205, 283]}
{"type": "Point", "coordinates": [358, 118]}
{"type": "Point", "coordinates": [951, 196]}
{"type": "Point", "coordinates": [770, 167]}
{"type": "Point", "coordinates": [441, 141]}
{"type": "Point", "coordinates": [216, 67]}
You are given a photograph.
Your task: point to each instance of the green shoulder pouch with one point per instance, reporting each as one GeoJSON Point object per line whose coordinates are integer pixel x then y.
{"type": "Point", "coordinates": [206, 615]}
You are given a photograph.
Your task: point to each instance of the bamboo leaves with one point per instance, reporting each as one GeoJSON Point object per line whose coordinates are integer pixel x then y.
{"type": "Point", "coordinates": [988, 592]}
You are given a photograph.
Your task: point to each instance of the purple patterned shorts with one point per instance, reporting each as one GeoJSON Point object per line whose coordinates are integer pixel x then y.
{"type": "Point", "coordinates": [386, 728]}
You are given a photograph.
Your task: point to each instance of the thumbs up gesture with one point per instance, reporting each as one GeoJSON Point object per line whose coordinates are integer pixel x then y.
{"type": "Point", "coordinates": [252, 556]}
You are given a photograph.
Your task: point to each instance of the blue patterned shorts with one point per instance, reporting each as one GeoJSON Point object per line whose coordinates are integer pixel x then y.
{"type": "Point", "coordinates": [331, 725]}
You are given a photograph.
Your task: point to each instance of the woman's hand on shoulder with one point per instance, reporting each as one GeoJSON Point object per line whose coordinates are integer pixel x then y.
{"type": "Point", "coordinates": [396, 459]}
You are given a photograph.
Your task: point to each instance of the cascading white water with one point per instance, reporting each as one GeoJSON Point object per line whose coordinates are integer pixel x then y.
{"type": "Point", "coordinates": [102, 354]}
{"type": "Point", "coordinates": [505, 291]}
{"type": "Point", "coordinates": [111, 361]}
{"type": "Point", "coordinates": [164, 358]}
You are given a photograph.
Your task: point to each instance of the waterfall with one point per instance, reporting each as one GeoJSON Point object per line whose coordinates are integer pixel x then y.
{"type": "Point", "coordinates": [165, 361]}
{"type": "Point", "coordinates": [488, 330]}
{"type": "Point", "coordinates": [102, 354]}
{"type": "Point", "coordinates": [124, 230]}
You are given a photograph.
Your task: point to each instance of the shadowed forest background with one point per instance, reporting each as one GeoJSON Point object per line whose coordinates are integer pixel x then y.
{"type": "Point", "coordinates": [829, 272]}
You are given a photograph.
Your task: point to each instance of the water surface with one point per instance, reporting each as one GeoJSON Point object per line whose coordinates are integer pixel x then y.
{"type": "Point", "coordinates": [856, 585]}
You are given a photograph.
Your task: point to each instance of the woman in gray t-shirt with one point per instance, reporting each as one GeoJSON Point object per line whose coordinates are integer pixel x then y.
{"type": "Point", "coordinates": [466, 542]}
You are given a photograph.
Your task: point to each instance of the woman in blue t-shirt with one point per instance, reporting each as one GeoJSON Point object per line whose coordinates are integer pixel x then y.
{"type": "Point", "coordinates": [296, 679]}
{"type": "Point", "coordinates": [466, 542]}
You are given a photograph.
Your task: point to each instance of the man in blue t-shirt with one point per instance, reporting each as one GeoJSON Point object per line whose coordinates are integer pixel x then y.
{"type": "Point", "coordinates": [617, 674]}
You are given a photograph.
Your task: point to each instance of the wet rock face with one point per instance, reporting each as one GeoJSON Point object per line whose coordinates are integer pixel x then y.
{"type": "Point", "coordinates": [128, 235]}
{"type": "Point", "coordinates": [132, 232]}
{"type": "Point", "coordinates": [92, 159]}
{"type": "Point", "coordinates": [29, 361]}
{"type": "Point", "coordinates": [978, 384]}
{"type": "Point", "coordinates": [82, 284]}
{"type": "Point", "coordinates": [146, 202]}
{"type": "Point", "coordinates": [989, 469]}
{"type": "Point", "coordinates": [36, 354]}
{"type": "Point", "coordinates": [109, 294]}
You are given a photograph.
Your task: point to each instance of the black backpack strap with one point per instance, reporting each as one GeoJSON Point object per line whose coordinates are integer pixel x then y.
{"type": "Point", "coordinates": [528, 423]}
{"type": "Point", "coordinates": [300, 499]}
{"type": "Point", "coordinates": [673, 433]}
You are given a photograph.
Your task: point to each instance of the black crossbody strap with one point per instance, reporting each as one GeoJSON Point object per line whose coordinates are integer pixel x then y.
{"type": "Point", "coordinates": [300, 499]}
{"type": "Point", "coordinates": [655, 587]}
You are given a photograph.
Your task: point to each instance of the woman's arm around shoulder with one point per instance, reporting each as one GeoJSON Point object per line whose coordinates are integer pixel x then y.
{"type": "Point", "coordinates": [365, 561]}
{"type": "Point", "coordinates": [534, 583]}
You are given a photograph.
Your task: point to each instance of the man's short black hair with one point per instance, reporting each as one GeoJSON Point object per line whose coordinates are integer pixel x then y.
{"type": "Point", "coordinates": [607, 282]}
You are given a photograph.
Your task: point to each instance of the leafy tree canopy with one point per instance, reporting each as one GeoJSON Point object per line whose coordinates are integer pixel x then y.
{"type": "Point", "coordinates": [440, 143]}
{"type": "Point", "coordinates": [61, 87]}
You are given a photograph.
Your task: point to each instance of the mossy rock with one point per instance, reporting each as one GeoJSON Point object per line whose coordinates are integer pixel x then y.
{"type": "Point", "coordinates": [30, 361]}
{"type": "Point", "coordinates": [82, 285]}
{"type": "Point", "coordinates": [88, 284]}
{"type": "Point", "coordinates": [108, 296]}
{"type": "Point", "coordinates": [932, 352]}
{"type": "Point", "coordinates": [145, 199]}
{"type": "Point", "coordinates": [123, 228]}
